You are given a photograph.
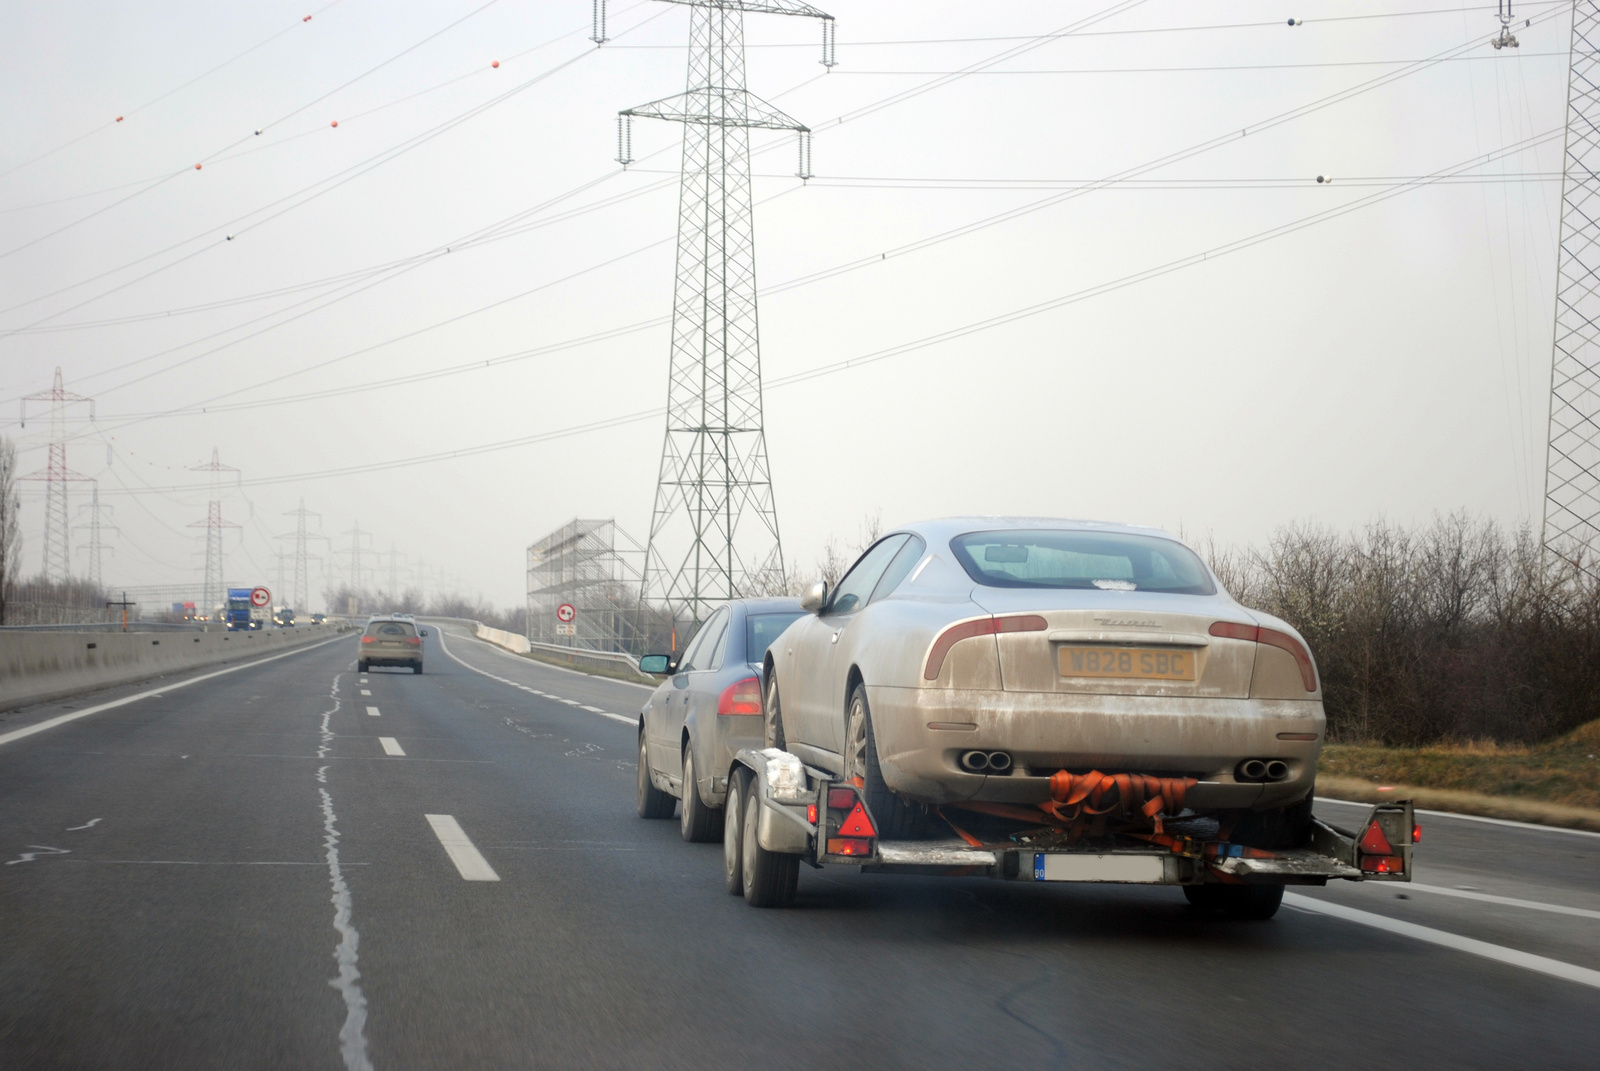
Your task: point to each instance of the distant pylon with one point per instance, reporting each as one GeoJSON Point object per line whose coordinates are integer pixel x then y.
{"type": "Point", "coordinates": [56, 475]}
{"type": "Point", "coordinates": [97, 529]}
{"type": "Point", "coordinates": [394, 570]}
{"type": "Point", "coordinates": [714, 527]}
{"type": "Point", "coordinates": [211, 589]}
{"type": "Point", "coordinates": [1572, 457]}
{"type": "Point", "coordinates": [356, 535]}
{"type": "Point", "coordinates": [302, 537]}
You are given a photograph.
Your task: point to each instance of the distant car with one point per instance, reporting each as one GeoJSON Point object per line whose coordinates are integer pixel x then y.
{"type": "Point", "coordinates": [388, 642]}
{"type": "Point", "coordinates": [283, 617]}
{"type": "Point", "coordinates": [994, 662]}
{"type": "Point", "coordinates": [707, 710]}
{"type": "Point", "coordinates": [317, 619]}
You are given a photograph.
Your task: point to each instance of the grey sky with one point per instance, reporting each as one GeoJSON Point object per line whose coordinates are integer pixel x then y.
{"type": "Point", "coordinates": [1392, 361]}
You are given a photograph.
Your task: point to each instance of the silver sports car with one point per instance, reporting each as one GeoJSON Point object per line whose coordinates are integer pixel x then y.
{"type": "Point", "coordinates": [1095, 672]}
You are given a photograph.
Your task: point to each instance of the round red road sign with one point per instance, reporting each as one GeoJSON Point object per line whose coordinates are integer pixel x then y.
{"type": "Point", "coordinates": [260, 597]}
{"type": "Point", "coordinates": [565, 612]}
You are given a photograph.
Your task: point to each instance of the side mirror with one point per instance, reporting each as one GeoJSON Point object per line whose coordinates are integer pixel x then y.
{"type": "Point", "coordinates": [815, 598]}
{"type": "Point", "coordinates": [424, 633]}
{"type": "Point", "coordinates": [657, 665]}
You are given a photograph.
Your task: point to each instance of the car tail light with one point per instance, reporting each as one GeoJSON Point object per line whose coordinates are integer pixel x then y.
{"type": "Point", "coordinates": [849, 846]}
{"type": "Point", "coordinates": [415, 641]}
{"type": "Point", "coordinates": [1273, 638]}
{"type": "Point", "coordinates": [368, 639]}
{"type": "Point", "coordinates": [741, 697]}
{"type": "Point", "coordinates": [984, 626]}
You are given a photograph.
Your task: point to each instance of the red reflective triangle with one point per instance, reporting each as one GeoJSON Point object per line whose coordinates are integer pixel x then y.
{"type": "Point", "coordinates": [857, 824]}
{"type": "Point", "coordinates": [1373, 842]}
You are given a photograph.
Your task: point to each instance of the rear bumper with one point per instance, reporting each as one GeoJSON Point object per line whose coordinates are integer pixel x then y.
{"type": "Point", "coordinates": [922, 732]}
{"type": "Point", "coordinates": [389, 658]}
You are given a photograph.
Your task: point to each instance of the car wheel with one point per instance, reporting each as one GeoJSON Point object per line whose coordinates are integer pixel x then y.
{"type": "Point", "coordinates": [1254, 902]}
{"type": "Point", "coordinates": [769, 878]}
{"type": "Point", "coordinates": [897, 819]}
{"type": "Point", "coordinates": [653, 803]}
{"type": "Point", "coordinates": [417, 669]}
{"type": "Point", "coordinates": [772, 715]}
{"type": "Point", "coordinates": [732, 828]}
{"type": "Point", "coordinates": [698, 823]}
{"type": "Point", "coordinates": [361, 667]}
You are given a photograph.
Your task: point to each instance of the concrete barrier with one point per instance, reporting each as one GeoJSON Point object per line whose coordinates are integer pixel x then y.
{"type": "Point", "coordinates": [509, 640]}
{"type": "Point", "coordinates": [40, 666]}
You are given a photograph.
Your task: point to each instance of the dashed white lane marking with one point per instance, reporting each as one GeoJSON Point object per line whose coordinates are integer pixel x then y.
{"type": "Point", "coordinates": [372, 712]}
{"type": "Point", "coordinates": [62, 719]}
{"type": "Point", "coordinates": [534, 691]}
{"type": "Point", "coordinates": [363, 680]}
{"type": "Point", "coordinates": [1526, 960]}
{"type": "Point", "coordinates": [365, 691]}
{"type": "Point", "coordinates": [1508, 901]}
{"type": "Point", "coordinates": [391, 746]}
{"type": "Point", "coordinates": [468, 860]}
{"type": "Point", "coordinates": [90, 824]}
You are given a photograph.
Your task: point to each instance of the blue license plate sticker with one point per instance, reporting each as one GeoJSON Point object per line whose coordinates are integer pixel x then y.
{"type": "Point", "coordinates": [1038, 866]}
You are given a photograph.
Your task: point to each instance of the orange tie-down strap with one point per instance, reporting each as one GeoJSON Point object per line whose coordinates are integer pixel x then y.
{"type": "Point", "coordinates": [1104, 793]}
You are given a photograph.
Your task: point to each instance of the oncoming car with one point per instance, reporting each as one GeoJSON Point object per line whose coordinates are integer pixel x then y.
{"type": "Point", "coordinates": [707, 709]}
{"type": "Point", "coordinates": [999, 665]}
{"type": "Point", "coordinates": [391, 641]}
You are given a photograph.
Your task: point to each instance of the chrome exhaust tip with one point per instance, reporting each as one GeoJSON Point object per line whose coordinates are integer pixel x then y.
{"type": "Point", "coordinates": [1252, 770]}
{"type": "Point", "coordinates": [1277, 770]}
{"type": "Point", "coordinates": [999, 761]}
{"type": "Point", "coordinates": [975, 761]}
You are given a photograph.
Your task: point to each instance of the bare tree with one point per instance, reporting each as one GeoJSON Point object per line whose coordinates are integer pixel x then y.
{"type": "Point", "coordinates": [10, 524]}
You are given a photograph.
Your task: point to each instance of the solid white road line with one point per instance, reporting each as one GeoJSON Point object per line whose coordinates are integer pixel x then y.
{"type": "Point", "coordinates": [366, 691]}
{"type": "Point", "coordinates": [1478, 818]}
{"type": "Point", "coordinates": [513, 684]}
{"type": "Point", "coordinates": [1528, 961]}
{"type": "Point", "coordinates": [1508, 901]}
{"type": "Point", "coordinates": [372, 712]}
{"type": "Point", "coordinates": [462, 852]}
{"type": "Point", "coordinates": [391, 746]}
{"type": "Point", "coordinates": [62, 719]}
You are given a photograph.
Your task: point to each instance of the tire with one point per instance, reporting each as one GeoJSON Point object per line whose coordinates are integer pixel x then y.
{"type": "Point", "coordinates": [1288, 827]}
{"type": "Point", "coordinates": [769, 878]}
{"type": "Point", "coordinates": [698, 823]}
{"type": "Point", "coordinates": [1252, 902]}
{"type": "Point", "coordinates": [732, 828]}
{"type": "Point", "coordinates": [417, 669]}
{"type": "Point", "coordinates": [896, 818]}
{"type": "Point", "coordinates": [361, 667]}
{"type": "Point", "coordinates": [653, 803]}
{"type": "Point", "coordinates": [772, 713]}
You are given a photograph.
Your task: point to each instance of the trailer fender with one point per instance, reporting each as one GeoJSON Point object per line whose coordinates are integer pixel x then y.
{"type": "Point", "coordinates": [783, 793]}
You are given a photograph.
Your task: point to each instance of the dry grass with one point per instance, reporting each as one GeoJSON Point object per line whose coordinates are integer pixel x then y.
{"type": "Point", "coordinates": [1563, 773]}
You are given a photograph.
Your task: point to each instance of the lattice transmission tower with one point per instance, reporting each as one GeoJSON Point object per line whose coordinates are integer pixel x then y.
{"type": "Point", "coordinates": [97, 528]}
{"type": "Point", "coordinates": [714, 527]}
{"type": "Point", "coordinates": [211, 589]}
{"type": "Point", "coordinates": [1572, 465]}
{"type": "Point", "coordinates": [302, 538]}
{"type": "Point", "coordinates": [56, 475]}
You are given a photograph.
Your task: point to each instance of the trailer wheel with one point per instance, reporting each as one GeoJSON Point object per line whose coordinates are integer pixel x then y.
{"type": "Point", "coordinates": [697, 822]}
{"type": "Point", "coordinates": [1256, 902]}
{"type": "Point", "coordinates": [770, 878]}
{"type": "Point", "coordinates": [653, 803]}
{"type": "Point", "coordinates": [897, 818]}
{"type": "Point", "coordinates": [732, 829]}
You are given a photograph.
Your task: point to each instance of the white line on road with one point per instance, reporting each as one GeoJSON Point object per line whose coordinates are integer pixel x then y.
{"type": "Point", "coordinates": [391, 746]}
{"type": "Point", "coordinates": [571, 703]}
{"type": "Point", "coordinates": [468, 860]}
{"type": "Point", "coordinates": [1478, 818]}
{"type": "Point", "coordinates": [366, 691]}
{"type": "Point", "coordinates": [62, 719]}
{"type": "Point", "coordinates": [592, 710]}
{"type": "Point", "coordinates": [604, 714]}
{"type": "Point", "coordinates": [1528, 961]}
{"type": "Point", "coordinates": [372, 712]}
{"type": "Point", "coordinates": [1508, 901]}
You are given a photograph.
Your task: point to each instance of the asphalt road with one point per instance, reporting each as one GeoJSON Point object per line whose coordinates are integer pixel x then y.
{"type": "Point", "coordinates": [242, 873]}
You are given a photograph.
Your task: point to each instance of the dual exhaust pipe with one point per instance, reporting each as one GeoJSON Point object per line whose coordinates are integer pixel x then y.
{"type": "Point", "coordinates": [1261, 770]}
{"type": "Point", "coordinates": [985, 761]}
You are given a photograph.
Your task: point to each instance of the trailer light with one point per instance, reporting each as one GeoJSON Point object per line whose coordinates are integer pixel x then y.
{"type": "Point", "coordinates": [741, 697]}
{"type": "Point", "coordinates": [1373, 842]}
{"type": "Point", "coordinates": [857, 824]}
{"type": "Point", "coordinates": [841, 799]}
{"type": "Point", "coordinates": [1416, 834]}
{"type": "Point", "coordinates": [1383, 864]}
{"type": "Point", "coordinates": [849, 846]}
{"type": "Point", "coordinates": [811, 814]}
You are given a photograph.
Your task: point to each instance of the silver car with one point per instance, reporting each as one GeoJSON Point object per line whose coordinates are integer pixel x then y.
{"type": "Point", "coordinates": [707, 709]}
{"type": "Point", "coordinates": [1012, 666]}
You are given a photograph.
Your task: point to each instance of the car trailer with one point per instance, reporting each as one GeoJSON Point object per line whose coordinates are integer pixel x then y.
{"type": "Point", "coordinates": [781, 812]}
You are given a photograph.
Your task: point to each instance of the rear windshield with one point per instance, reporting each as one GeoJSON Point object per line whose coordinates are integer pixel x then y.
{"type": "Point", "coordinates": [1073, 559]}
{"type": "Point", "coordinates": [390, 628]}
{"type": "Point", "coordinates": [761, 629]}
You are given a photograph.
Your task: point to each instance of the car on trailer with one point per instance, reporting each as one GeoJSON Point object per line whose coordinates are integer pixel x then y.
{"type": "Point", "coordinates": [1082, 697]}
{"type": "Point", "coordinates": [706, 709]}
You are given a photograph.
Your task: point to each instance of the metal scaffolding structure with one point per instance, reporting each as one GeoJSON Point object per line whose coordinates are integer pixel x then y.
{"type": "Point", "coordinates": [594, 567]}
{"type": "Point", "coordinates": [714, 527]}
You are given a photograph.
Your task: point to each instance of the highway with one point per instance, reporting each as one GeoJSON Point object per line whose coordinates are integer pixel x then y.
{"type": "Point", "coordinates": [245, 873]}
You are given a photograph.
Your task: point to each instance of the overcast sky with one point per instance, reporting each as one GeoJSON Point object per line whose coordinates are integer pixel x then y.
{"type": "Point", "coordinates": [1389, 362]}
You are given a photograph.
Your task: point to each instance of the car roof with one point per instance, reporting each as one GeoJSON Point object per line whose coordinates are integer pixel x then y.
{"type": "Point", "coordinates": [944, 529]}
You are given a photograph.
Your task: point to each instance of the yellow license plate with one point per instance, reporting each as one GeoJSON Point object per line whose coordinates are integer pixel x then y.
{"type": "Point", "coordinates": [1145, 663]}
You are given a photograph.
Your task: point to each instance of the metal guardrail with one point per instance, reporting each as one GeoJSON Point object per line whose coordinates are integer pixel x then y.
{"type": "Point", "coordinates": [580, 652]}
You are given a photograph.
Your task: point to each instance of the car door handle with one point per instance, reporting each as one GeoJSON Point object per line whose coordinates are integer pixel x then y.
{"type": "Point", "coordinates": [835, 637]}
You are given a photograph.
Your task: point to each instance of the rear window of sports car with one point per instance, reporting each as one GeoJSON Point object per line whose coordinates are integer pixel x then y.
{"type": "Point", "coordinates": [1044, 558]}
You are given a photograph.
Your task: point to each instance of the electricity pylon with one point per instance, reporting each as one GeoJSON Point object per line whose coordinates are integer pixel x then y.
{"type": "Point", "coordinates": [56, 475]}
{"type": "Point", "coordinates": [97, 528]}
{"type": "Point", "coordinates": [1572, 458]}
{"type": "Point", "coordinates": [714, 527]}
{"type": "Point", "coordinates": [211, 590]}
{"type": "Point", "coordinates": [301, 538]}
{"type": "Point", "coordinates": [356, 535]}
